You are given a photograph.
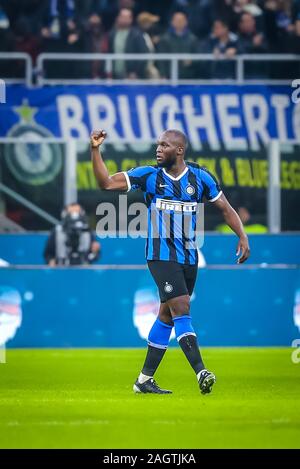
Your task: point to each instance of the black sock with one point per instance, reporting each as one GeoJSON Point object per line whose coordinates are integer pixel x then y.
{"type": "Point", "coordinates": [190, 348]}
{"type": "Point", "coordinates": [153, 358]}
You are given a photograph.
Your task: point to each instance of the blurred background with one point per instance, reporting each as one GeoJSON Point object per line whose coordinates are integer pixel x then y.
{"type": "Point", "coordinates": [227, 73]}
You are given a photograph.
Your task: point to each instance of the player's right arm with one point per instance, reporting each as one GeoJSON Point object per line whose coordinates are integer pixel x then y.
{"type": "Point", "coordinates": [116, 182]}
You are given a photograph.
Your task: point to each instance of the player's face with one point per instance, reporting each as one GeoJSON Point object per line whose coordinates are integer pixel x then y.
{"type": "Point", "coordinates": [166, 152]}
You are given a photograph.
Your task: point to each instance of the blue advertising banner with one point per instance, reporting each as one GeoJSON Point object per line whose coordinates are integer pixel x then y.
{"type": "Point", "coordinates": [116, 308]}
{"type": "Point", "coordinates": [240, 117]}
{"type": "Point", "coordinates": [227, 127]}
{"type": "Point", "coordinates": [28, 248]}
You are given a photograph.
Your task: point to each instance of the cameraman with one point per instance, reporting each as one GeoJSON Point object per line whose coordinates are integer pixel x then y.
{"type": "Point", "coordinates": [72, 242]}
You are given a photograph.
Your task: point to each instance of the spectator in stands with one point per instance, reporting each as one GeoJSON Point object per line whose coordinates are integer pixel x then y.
{"type": "Point", "coordinates": [250, 41]}
{"type": "Point", "coordinates": [6, 35]}
{"type": "Point", "coordinates": [71, 242]}
{"type": "Point", "coordinates": [4, 20]}
{"type": "Point", "coordinates": [63, 33]}
{"type": "Point", "coordinates": [225, 9]}
{"type": "Point", "coordinates": [106, 9]}
{"type": "Point", "coordinates": [96, 42]}
{"type": "Point", "coordinates": [177, 40]}
{"type": "Point", "coordinates": [129, 4]}
{"type": "Point", "coordinates": [147, 24]}
{"type": "Point", "coordinates": [56, 16]}
{"type": "Point", "coordinates": [247, 6]}
{"type": "Point", "coordinates": [294, 48]}
{"type": "Point", "coordinates": [25, 40]}
{"type": "Point", "coordinates": [17, 39]}
{"type": "Point", "coordinates": [74, 43]}
{"type": "Point", "coordinates": [125, 38]}
{"type": "Point", "coordinates": [52, 38]}
{"type": "Point", "coordinates": [200, 16]}
{"type": "Point", "coordinates": [60, 10]}
{"type": "Point", "coordinates": [33, 10]}
{"type": "Point", "coordinates": [161, 8]}
{"type": "Point", "coordinates": [6, 45]}
{"type": "Point", "coordinates": [279, 26]}
{"type": "Point", "coordinates": [294, 43]}
{"type": "Point", "coordinates": [223, 44]}
{"type": "Point", "coordinates": [295, 10]}
{"type": "Point", "coordinates": [74, 38]}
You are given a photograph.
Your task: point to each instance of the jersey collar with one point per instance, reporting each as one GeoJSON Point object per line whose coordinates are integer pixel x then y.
{"type": "Point", "coordinates": [178, 177]}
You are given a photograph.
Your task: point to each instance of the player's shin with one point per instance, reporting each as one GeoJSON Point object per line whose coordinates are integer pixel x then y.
{"type": "Point", "coordinates": [158, 341]}
{"type": "Point", "coordinates": [187, 340]}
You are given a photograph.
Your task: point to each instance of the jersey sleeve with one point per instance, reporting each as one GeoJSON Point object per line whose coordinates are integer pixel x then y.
{"type": "Point", "coordinates": [136, 177]}
{"type": "Point", "coordinates": [211, 188]}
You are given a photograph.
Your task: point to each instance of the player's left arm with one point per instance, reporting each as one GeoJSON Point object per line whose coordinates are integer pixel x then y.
{"type": "Point", "coordinates": [233, 220]}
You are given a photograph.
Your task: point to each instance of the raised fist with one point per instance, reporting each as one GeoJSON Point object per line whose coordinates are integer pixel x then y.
{"type": "Point", "coordinates": [97, 138]}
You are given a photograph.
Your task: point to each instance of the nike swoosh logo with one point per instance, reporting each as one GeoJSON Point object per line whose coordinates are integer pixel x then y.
{"type": "Point", "coordinates": [163, 185]}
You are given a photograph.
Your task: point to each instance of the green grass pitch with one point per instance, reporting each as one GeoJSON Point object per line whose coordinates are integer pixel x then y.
{"type": "Point", "coordinates": [83, 399]}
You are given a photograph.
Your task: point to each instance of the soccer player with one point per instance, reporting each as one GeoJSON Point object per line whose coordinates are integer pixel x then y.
{"type": "Point", "coordinates": [172, 190]}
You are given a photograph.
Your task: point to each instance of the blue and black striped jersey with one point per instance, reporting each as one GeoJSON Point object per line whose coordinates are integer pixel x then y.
{"type": "Point", "coordinates": [172, 208]}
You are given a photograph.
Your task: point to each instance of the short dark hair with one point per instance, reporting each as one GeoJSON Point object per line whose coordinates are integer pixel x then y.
{"type": "Point", "coordinates": [223, 21]}
{"type": "Point", "coordinates": [179, 136]}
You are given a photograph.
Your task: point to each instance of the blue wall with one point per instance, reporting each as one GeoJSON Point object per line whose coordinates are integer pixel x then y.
{"type": "Point", "coordinates": [217, 249]}
{"type": "Point", "coordinates": [88, 307]}
{"type": "Point", "coordinates": [232, 305]}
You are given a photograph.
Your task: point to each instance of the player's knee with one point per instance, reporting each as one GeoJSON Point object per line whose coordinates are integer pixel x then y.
{"type": "Point", "coordinates": [166, 317]}
{"type": "Point", "coordinates": [165, 314]}
{"type": "Point", "coordinates": [180, 306]}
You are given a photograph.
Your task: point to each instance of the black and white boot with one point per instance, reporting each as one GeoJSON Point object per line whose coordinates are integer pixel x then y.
{"type": "Point", "coordinates": [149, 386]}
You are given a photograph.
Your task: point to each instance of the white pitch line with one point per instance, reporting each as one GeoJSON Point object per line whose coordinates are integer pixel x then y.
{"type": "Point", "coordinates": [51, 423]}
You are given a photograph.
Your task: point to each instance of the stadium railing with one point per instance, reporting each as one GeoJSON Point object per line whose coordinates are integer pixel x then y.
{"type": "Point", "coordinates": [30, 74]}
{"type": "Point", "coordinates": [173, 60]}
{"type": "Point", "coordinates": [13, 57]}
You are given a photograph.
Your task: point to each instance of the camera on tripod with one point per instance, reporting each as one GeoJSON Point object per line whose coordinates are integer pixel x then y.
{"type": "Point", "coordinates": [77, 238]}
{"type": "Point", "coordinates": [72, 242]}
{"type": "Point", "coordinates": [74, 225]}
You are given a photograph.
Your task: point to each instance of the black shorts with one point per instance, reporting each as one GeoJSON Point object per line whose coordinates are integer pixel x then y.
{"type": "Point", "coordinates": [173, 279]}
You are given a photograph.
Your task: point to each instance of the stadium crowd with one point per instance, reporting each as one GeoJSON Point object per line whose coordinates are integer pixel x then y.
{"type": "Point", "coordinates": [224, 28]}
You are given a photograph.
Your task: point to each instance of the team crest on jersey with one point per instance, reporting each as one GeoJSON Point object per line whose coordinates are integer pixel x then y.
{"type": "Point", "coordinates": [190, 190]}
{"type": "Point", "coordinates": [168, 287]}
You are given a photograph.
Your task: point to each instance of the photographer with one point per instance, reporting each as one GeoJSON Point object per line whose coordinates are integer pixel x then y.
{"type": "Point", "coordinates": [71, 242]}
